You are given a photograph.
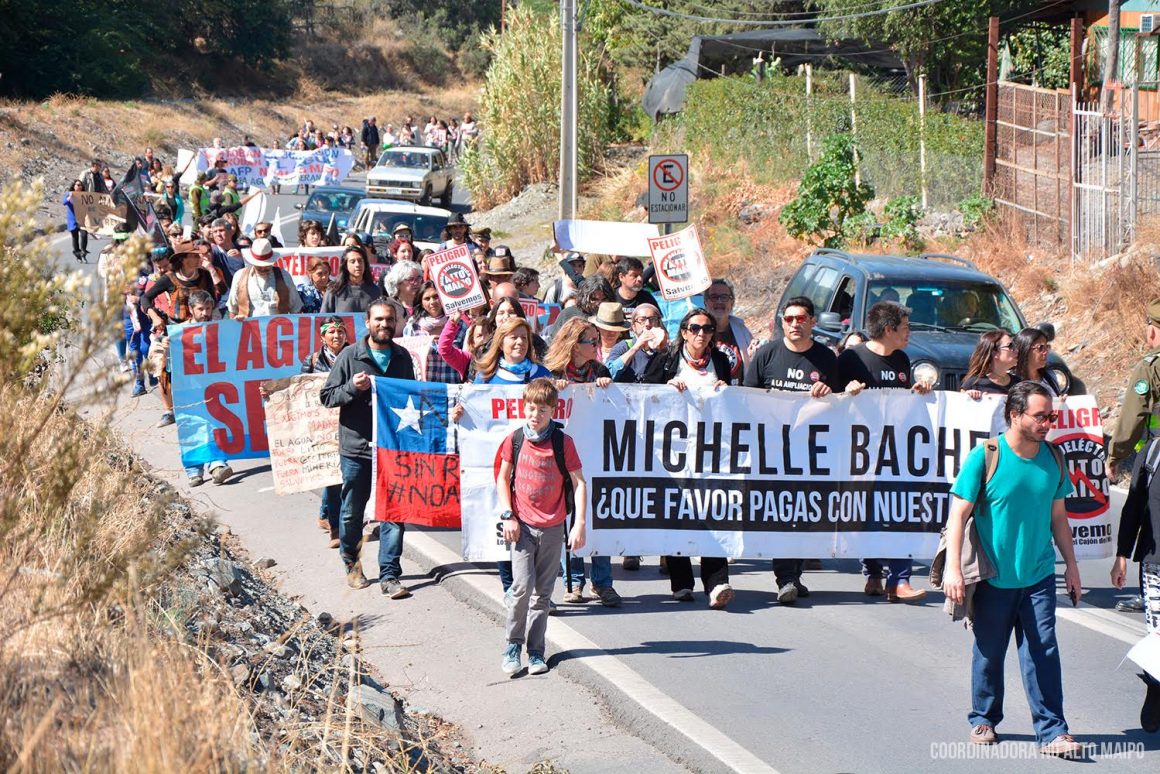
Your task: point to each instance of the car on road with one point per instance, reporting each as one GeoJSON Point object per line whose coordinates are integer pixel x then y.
{"type": "Point", "coordinates": [328, 201]}
{"type": "Point", "coordinates": [951, 302]}
{"type": "Point", "coordinates": [379, 217]}
{"type": "Point", "coordinates": [412, 172]}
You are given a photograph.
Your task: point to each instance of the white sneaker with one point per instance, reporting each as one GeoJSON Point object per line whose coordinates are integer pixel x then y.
{"type": "Point", "coordinates": [720, 596]}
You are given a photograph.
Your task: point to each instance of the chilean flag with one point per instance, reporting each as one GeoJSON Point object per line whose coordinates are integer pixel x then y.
{"type": "Point", "coordinates": [416, 464]}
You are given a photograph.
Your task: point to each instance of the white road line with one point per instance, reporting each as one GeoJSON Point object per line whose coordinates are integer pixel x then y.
{"type": "Point", "coordinates": [1101, 621]}
{"type": "Point", "coordinates": [630, 682]}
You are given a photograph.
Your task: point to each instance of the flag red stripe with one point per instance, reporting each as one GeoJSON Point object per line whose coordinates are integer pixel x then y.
{"type": "Point", "coordinates": [417, 488]}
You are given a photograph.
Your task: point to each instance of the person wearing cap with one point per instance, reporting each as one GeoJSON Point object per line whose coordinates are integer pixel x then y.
{"type": "Point", "coordinates": [572, 274]}
{"type": "Point", "coordinates": [458, 233]}
{"type": "Point", "coordinates": [1137, 419]}
{"type": "Point", "coordinates": [230, 193]}
{"type": "Point", "coordinates": [262, 288]}
{"type": "Point", "coordinates": [482, 239]}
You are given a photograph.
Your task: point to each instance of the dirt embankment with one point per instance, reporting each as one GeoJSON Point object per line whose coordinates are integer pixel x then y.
{"type": "Point", "coordinates": [55, 139]}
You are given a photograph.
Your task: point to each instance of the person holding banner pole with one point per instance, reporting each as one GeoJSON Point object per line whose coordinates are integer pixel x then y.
{"type": "Point", "coordinates": [334, 341]}
{"type": "Point", "coordinates": [572, 359]}
{"type": "Point", "coordinates": [793, 363]}
{"type": "Point", "coordinates": [881, 363]}
{"type": "Point", "coordinates": [348, 388]}
{"type": "Point", "coordinates": [693, 361]}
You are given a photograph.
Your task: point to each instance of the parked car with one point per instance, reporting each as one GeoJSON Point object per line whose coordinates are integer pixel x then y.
{"type": "Point", "coordinates": [379, 217]}
{"type": "Point", "coordinates": [412, 172]}
{"type": "Point", "coordinates": [326, 201]}
{"type": "Point", "coordinates": [951, 302]}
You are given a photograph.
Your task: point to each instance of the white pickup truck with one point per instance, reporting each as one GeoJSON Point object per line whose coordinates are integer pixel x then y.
{"type": "Point", "coordinates": [412, 172]}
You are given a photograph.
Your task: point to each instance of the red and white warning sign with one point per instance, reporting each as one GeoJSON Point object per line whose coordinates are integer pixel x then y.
{"type": "Point", "coordinates": [453, 272]}
{"type": "Point", "coordinates": [668, 188]}
{"type": "Point", "coordinates": [680, 264]}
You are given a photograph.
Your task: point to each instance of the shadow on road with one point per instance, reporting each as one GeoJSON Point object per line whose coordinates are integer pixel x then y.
{"type": "Point", "coordinates": [673, 648]}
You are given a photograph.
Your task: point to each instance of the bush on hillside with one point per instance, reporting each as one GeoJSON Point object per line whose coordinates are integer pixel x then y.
{"type": "Point", "coordinates": [520, 116]}
{"type": "Point", "coordinates": [828, 196]}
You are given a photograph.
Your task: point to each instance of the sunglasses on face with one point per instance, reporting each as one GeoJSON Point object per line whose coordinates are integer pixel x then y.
{"type": "Point", "coordinates": [800, 319]}
{"type": "Point", "coordinates": [1041, 347]}
{"type": "Point", "coordinates": [590, 342]}
{"type": "Point", "coordinates": [696, 329]}
{"type": "Point", "coordinates": [719, 297]}
{"type": "Point", "coordinates": [1041, 419]}
{"type": "Point", "coordinates": [650, 319]}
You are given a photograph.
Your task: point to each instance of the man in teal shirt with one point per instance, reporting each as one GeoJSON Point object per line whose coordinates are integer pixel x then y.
{"type": "Point", "coordinates": [1019, 510]}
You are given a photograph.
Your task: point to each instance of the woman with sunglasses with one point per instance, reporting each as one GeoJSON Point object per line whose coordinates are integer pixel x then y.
{"type": "Point", "coordinates": [1031, 349]}
{"type": "Point", "coordinates": [573, 359]}
{"type": "Point", "coordinates": [172, 198]}
{"type": "Point", "coordinates": [989, 370]}
{"type": "Point", "coordinates": [693, 361]}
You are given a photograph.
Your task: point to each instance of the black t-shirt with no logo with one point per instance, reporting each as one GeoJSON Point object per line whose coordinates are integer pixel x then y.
{"type": "Point", "coordinates": [859, 364]}
{"type": "Point", "coordinates": [776, 367]}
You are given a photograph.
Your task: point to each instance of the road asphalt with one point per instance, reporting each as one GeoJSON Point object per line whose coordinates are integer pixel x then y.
{"type": "Point", "coordinates": [837, 683]}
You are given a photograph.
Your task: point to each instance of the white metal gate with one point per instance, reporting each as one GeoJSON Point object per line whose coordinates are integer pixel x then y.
{"type": "Point", "coordinates": [1101, 174]}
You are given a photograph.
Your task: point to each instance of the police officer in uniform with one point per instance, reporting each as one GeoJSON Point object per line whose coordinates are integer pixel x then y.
{"type": "Point", "coordinates": [1138, 419]}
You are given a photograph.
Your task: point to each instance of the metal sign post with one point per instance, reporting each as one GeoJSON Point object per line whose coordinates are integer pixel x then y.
{"type": "Point", "coordinates": [668, 189]}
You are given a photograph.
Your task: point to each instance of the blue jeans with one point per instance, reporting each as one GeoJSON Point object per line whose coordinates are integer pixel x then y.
{"type": "Point", "coordinates": [1030, 612]}
{"type": "Point", "coordinates": [898, 570]}
{"type": "Point", "coordinates": [505, 573]}
{"type": "Point", "coordinates": [601, 571]}
{"type": "Point", "coordinates": [330, 506]}
{"type": "Point", "coordinates": [356, 491]}
{"type": "Point", "coordinates": [196, 470]}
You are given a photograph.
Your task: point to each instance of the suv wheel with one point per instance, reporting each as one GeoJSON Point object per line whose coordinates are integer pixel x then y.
{"type": "Point", "coordinates": [445, 199]}
{"type": "Point", "coordinates": [425, 199]}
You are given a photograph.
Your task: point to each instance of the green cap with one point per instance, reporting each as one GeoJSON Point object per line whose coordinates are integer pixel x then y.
{"type": "Point", "coordinates": [1154, 311]}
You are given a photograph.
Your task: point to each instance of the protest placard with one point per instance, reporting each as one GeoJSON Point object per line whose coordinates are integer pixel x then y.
{"type": "Point", "coordinates": [266, 166]}
{"type": "Point", "coordinates": [97, 213]}
{"type": "Point", "coordinates": [296, 260]}
{"type": "Point", "coordinates": [680, 264]}
{"type": "Point", "coordinates": [420, 348]}
{"type": "Point", "coordinates": [455, 277]}
{"type": "Point", "coordinates": [217, 369]}
{"type": "Point", "coordinates": [303, 435]}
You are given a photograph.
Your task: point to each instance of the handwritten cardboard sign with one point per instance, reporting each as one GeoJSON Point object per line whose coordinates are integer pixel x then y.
{"type": "Point", "coordinates": [303, 435]}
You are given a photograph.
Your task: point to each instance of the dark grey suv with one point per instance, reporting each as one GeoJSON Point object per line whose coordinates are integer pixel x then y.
{"type": "Point", "coordinates": [950, 299]}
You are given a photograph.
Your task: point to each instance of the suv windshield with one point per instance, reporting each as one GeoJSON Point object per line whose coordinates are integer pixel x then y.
{"type": "Point", "coordinates": [976, 306]}
{"type": "Point", "coordinates": [340, 201]}
{"type": "Point", "coordinates": [425, 228]}
{"type": "Point", "coordinates": [407, 159]}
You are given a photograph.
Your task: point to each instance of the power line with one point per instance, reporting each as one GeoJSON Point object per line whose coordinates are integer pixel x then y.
{"type": "Point", "coordinates": [810, 15]}
{"type": "Point", "coordinates": [777, 22]}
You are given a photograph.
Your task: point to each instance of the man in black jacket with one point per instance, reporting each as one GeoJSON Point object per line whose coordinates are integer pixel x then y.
{"type": "Point", "coordinates": [1139, 526]}
{"type": "Point", "coordinates": [349, 388]}
{"type": "Point", "coordinates": [370, 141]}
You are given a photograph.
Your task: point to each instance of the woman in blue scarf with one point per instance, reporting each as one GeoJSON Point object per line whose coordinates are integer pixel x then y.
{"type": "Point", "coordinates": [510, 358]}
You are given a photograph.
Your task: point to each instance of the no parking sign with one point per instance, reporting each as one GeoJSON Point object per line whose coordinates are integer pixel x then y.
{"type": "Point", "coordinates": [680, 264]}
{"type": "Point", "coordinates": [453, 272]}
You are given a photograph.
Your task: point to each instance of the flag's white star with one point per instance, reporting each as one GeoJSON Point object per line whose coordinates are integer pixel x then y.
{"type": "Point", "coordinates": [409, 416]}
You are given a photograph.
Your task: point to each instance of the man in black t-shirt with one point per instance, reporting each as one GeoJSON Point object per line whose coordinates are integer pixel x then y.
{"type": "Point", "coordinates": [628, 282]}
{"type": "Point", "coordinates": [878, 364]}
{"type": "Point", "coordinates": [793, 363]}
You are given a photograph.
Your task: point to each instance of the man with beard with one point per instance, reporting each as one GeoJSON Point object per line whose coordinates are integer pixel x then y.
{"type": "Point", "coordinates": [349, 388]}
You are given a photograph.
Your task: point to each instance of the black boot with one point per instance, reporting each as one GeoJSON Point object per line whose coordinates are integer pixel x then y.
{"type": "Point", "coordinates": [1150, 712]}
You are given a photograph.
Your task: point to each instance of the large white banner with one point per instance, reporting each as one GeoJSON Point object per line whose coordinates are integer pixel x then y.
{"type": "Point", "coordinates": [265, 166]}
{"type": "Point", "coordinates": [744, 473]}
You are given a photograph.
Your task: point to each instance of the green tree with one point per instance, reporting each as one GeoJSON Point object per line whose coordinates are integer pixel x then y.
{"type": "Point", "coordinates": [946, 41]}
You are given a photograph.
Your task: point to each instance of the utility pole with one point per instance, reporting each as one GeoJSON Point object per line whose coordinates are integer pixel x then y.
{"type": "Point", "coordinates": [1112, 59]}
{"type": "Point", "coordinates": [568, 111]}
